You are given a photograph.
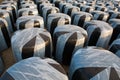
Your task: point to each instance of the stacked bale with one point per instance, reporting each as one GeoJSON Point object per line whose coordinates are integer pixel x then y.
{"type": "Point", "coordinates": [79, 18]}
{"type": "Point", "coordinates": [70, 9]}
{"type": "Point", "coordinates": [99, 15]}
{"type": "Point", "coordinates": [29, 22]}
{"type": "Point", "coordinates": [67, 39]}
{"type": "Point", "coordinates": [4, 35]}
{"type": "Point", "coordinates": [86, 8]}
{"type": "Point", "coordinates": [99, 33]}
{"type": "Point", "coordinates": [34, 69]}
{"type": "Point", "coordinates": [94, 64]}
{"type": "Point", "coordinates": [115, 47]}
{"type": "Point", "coordinates": [31, 42]}
{"type": "Point", "coordinates": [57, 19]}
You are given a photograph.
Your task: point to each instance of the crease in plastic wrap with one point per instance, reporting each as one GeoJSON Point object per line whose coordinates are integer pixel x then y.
{"type": "Point", "coordinates": [4, 35]}
{"type": "Point", "coordinates": [33, 69]}
{"type": "Point", "coordinates": [94, 64]}
{"type": "Point", "coordinates": [29, 22]}
{"type": "Point", "coordinates": [99, 33]}
{"type": "Point", "coordinates": [68, 39]}
{"type": "Point", "coordinates": [57, 19]}
{"type": "Point", "coordinates": [31, 42]}
{"type": "Point", "coordinates": [27, 11]}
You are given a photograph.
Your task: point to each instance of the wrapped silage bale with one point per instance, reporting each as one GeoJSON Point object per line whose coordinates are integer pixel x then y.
{"type": "Point", "coordinates": [99, 33]}
{"type": "Point", "coordinates": [1, 65]}
{"type": "Point", "coordinates": [115, 23]}
{"type": "Point", "coordinates": [48, 10]}
{"type": "Point", "coordinates": [99, 15]}
{"type": "Point", "coordinates": [33, 69]}
{"type": "Point", "coordinates": [33, 6]}
{"type": "Point", "coordinates": [62, 6]}
{"type": "Point", "coordinates": [70, 9]}
{"type": "Point", "coordinates": [100, 4]}
{"type": "Point", "coordinates": [57, 2]}
{"type": "Point", "coordinates": [78, 4]}
{"type": "Point", "coordinates": [57, 19]}
{"type": "Point", "coordinates": [31, 42]}
{"type": "Point", "coordinates": [101, 8]}
{"type": "Point", "coordinates": [79, 18]}
{"type": "Point", "coordinates": [67, 39]}
{"type": "Point", "coordinates": [5, 15]}
{"type": "Point", "coordinates": [86, 8]}
{"type": "Point", "coordinates": [114, 14]}
{"type": "Point", "coordinates": [112, 8]}
{"type": "Point", "coordinates": [26, 2]}
{"type": "Point", "coordinates": [43, 5]}
{"type": "Point", "coordinates": [27, 11]}
{"type": "Point", "coordinates": [29, 22]}
{"type": "Point", "coordinates": [90, 4]}
{"type": "Point", "coordinates": [4, 35]}
{"type": "Point", "coordinates": [94, 64]}
{"type": "Point", "coordinates": [115, 47]}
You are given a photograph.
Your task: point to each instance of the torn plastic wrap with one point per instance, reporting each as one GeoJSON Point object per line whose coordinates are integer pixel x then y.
{"type": "Point", "coordinates": [49, 10]}
{"type": "Point", "coordinates": [31, 42]}
{"type": "Point", "coordinates": [27, 11]}
{"type": "Point", "coordinates": [57, 19]}
{"type": "Point", "coordinates": [79, 18]}
{"type": "Point", "coordinates": [115, 23]}
{"type": "Point", "coordinates": [94, 64]}
{"type": "Point", "coordinates": [33, 69]}
{"type": "Point", "coordinates": [70, 9]}
{"type": "Point", "coordinates": [1, 66]}
{"type": "Point", "coordinates": [115, 47]}
{"type": "Point", "coordinates": [99, 33]}
{"type": "Point", "coordinates": [4, 35]}
{"type": "Point", "coordinates": [86, 8]}
{"type": "Point", "coordinates": [29, 22]}
{"type": "Point", "coordinates": [32, 6]}
{"type": "Point", "coordinates": [5, 15]}
{"type": "Point", "coordinates": [101, 8]}
{"type": "Point", "coordinates": [67, 39]}
{"type": "Point", "coordinates": [99, 15]}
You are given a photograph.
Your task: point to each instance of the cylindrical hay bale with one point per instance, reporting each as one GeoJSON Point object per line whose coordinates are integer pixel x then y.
{"type": "Point", "coordinates": [78, 4]}
{"type": "Point", "coordinates": [112, 8]}
{"type": "Point", "coordinates": [43, 5]}
{"type": "Point", "coordinates": [48, 10]}
{"type": "Point", "coordinates": [70, 9]}
{"type": "Point", "coordinates": [99, 33]}
{"type": "Point", "coordinates": [115, 47]}
{"type": "Point", "coordinates": [114, 14]}
{"type": "Point", "coordinates": [57, 19]}
{"type": "Point", "coordinates": [68, 39]}
{"type": "Point", "coordinates": [79, 18]}
{"type": "Point", "coordinates": [29, 22]}
{"type": "Point", "coordinates": [26, 2]}
{"type": "Point", "coordinates": [109, 4]}
{"type": "Point", "coordinates": [33, 6]}
{"type": "Point", "coordinates": [33, 69]}
{"type": "Point", "coordinates": [31, 42]}
{"type": "Point", "coordinates": [12, 10]}
{"type": "Point", "coordinates": [99, 15]}
{"type": "Point", "coordinates": [86, 8]}
{"type": "Point", "coordinates": [115, 23]}
{"type": "Point", "coordinates": [90, 4]}
{"type": "Point", "coordinates": [57, 3]}
{"type": "Point", "coordinates": [100, 4]}
{"type": "Point", "coordinates": [5, 15]}
{"type": "Point", "coordinates": [94, 64]}
{"type": "Point", "coordinates": [101, 8]}
{"type": "Point", "coordinates": [27, 11]}
{"type": "Point", "coordinates": [4, 35]}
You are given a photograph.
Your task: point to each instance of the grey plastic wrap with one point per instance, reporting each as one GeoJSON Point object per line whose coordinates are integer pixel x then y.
{"type": "Point", "coordinates": [70, 9]}
{"type": "Point", "coordinates": [94, 64]}
{"type": "Point", "coordinates": [99, 33]}
{"type": "Point", "coordinates": [32, 6]}
{"type": "Point", "coordinates": [79, 18]}
{"type": "Point", "coordinates": [31, 42]}
{"type": "Point", "coordinates": [4, 35]}
{"type": "Point", "coordinates": [115, 47]}
{"type": "Point", "coordinates": [1, 66]}
{"type": "Point", "coordinates": [49, 10]}
{"type": "Point", "coordinates": [114, 14]}
{"type": "Point", "coordinates": [115, 23]}
{"type": "Point", "coordinates": [86, 8]}
{"type": "Point", "coordinates": [33, 69]}
{"type": "Point", "coordinates": [57, 19]}
{"type": "Point", "coordinates": [29, 22]}
{"type": "Point", "coordinates": [5, 15]}
{"type": "Point", "coordinates": [101, 8]}
{"type": "Point", "coordinates": [90, 4]}
{"type": "Point", "coordinates": [26, 2]}
{"type": "Point", "coordinates": [112, 8]}
{"type": "Point", "coordinates": [27, 11]}
{"type": "Point", "coordinates": [78, 4]}
{"type": "Point", "coordinates": [67, 39]}
{"type": "Point", "coordinates": [99, 15]}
